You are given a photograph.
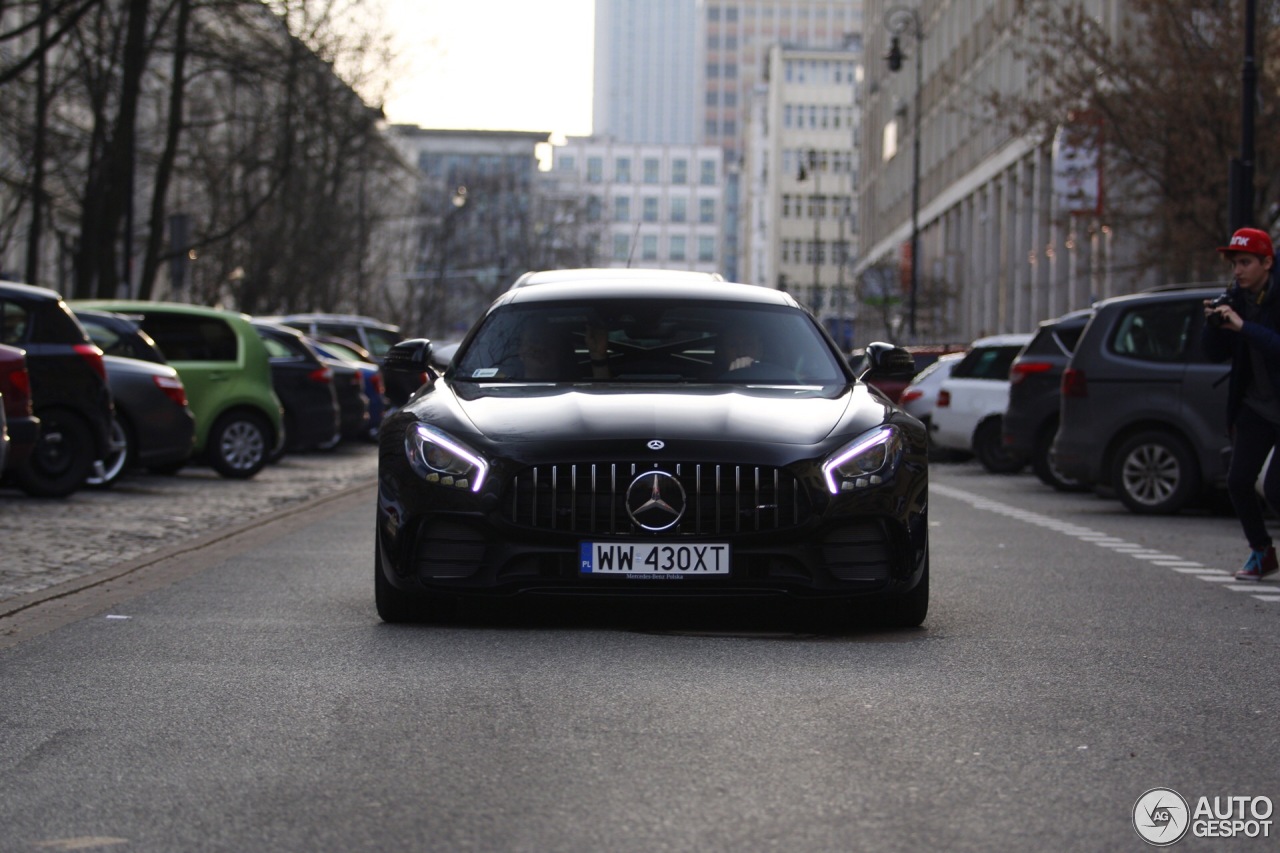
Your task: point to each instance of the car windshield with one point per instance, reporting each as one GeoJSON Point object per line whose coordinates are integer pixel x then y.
{"type": "Point", "coordinates": [649, 341]}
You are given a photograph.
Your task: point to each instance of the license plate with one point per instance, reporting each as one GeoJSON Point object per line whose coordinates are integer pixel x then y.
{"type": "Point", "coordinates": [654, 559]}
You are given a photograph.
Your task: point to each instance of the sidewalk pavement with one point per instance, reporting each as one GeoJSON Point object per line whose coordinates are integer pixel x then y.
{"type": "Point", "coordinates": [46, 543]}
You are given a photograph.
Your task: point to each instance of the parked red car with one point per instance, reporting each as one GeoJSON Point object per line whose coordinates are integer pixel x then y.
{"type": "Point", "coordinates": [15, 387]}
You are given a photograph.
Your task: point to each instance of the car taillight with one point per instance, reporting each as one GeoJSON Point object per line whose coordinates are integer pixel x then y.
{"type": "Point", "coordinates": [172, 387]}
{"type": "Point", "coordinates": [19, 388]}
{"type": "Point", "coordinates": [1022, 369]}
{"type": "Point", "coordinates": [93, 356]}
{"type": "Point", "coordinates": [911, 395]}
{"type": "Point", "coordinates": [321, 374]}
{"type": "Point", "coordinates": [1074, 384]}
{"type": "Point", "coordinates": [944, 399]}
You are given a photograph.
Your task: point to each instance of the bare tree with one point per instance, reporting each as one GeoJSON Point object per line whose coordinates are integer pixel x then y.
{"type": "Point", "coordinates": [1167, 93]}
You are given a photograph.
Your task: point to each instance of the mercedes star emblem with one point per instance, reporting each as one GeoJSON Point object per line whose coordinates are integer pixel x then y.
{"type": "Point", "coordinates": [655, 500]}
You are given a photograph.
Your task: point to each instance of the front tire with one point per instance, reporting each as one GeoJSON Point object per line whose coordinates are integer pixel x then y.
{"type": "Point", "coordinates": [239, 444]}
{"type": "Point", "coordinates": [1047, 471]}
{"type": "Point", "coordinates": [394, 605]}
{"type": "Point", "coordinates": [988, 446]}
{"type": "Point", "coordinates": [909, 609]}
{"type": "Point", "coordinates": [63, 456]}
{"type": "Point", "coordinates": [1154, 473]}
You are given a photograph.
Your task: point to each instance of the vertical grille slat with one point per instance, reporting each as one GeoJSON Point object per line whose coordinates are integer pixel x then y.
{"type": "Point", "coordinates": [589, 498]}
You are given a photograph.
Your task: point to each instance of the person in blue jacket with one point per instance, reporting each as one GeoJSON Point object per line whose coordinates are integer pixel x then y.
{"type": "Point", "coordinates": [1244, 326]}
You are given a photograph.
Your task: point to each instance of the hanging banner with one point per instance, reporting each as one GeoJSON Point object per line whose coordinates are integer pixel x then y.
{"type": "Point", "coordinates": [1077, 165]}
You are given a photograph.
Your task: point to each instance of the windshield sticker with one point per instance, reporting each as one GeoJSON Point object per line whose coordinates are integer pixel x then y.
{"type": "Point", "coordinates": [484, 373]}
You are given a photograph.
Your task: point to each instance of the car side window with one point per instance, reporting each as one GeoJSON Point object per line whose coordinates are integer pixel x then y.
{"type": "Point", "coordinates": [183, 338]}
{"type": "Point", "coordinates": [14, 321]}
{"type": "Point", "coordinates": [279, 349]}
{"type": "Point", "coordinates": [986, 363]}
{"type": "Point", "coordinates": [1154, 333]}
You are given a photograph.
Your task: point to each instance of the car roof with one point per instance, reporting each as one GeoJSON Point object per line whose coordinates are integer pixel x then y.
{"type": "Point", "coordinates": [640, 287]}
{"type": "Point", "coordinates": [29, 290]}
{"type": "Point", "coordinates": [133, 306]}
{"type": "Point", "coordinates": [1006, 340]}
{"type": "Point", "coordinates": [320, 317]}
{"type": "Point", "coordinates": [1165, 293]}
{"type": "Point", "coordinates": [540, 277]}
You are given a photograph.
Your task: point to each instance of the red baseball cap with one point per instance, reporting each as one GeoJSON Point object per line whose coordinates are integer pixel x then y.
{"type": "Point", "coordinates": [1251, 240]}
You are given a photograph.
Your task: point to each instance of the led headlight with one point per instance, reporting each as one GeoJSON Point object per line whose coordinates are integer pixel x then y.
{"type": "Point", "coordinates": [439, 458]}
{"type": "Point", "coordinates": [867, 461]}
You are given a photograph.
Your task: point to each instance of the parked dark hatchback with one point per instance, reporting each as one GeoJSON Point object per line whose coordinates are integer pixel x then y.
{"type": "Point", "coordinates": [304, 383]}
{"type": "Point", "coordinates": [677, 463]}
{"type": "Point", "coordinates": [22, 425]}
{"type": "Point", "coordinates": [1143, 410]}
{"type": "Point", "coordinates": [153, 427]}
{"type": "Point", "coordinates": [1035, 396]}
{"type": "Point", "coordinates": [69, 389]}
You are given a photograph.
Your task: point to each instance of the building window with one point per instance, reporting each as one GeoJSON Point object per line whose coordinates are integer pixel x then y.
{"type": "Point", "coordinates": [649, 247]}
{"type": "Point", "coordinates": [706, 248]}
{"type": "Point", "coordinates": [567, 163]}
{"type": "Point", "coordinates": [679, 171]}
{"type": "Point", "coordinates": [729, 128]}
{"type": "Point", "coordinates": [713, 71]}
{"type": "Point", "coordinates": [730, 71]}
{"type": "Point", "coordinates": [594, 206]}
{"type": "Point", "coordinates": [677, 252]}
{"type": "Point", "coordinates": [621, 247]}
{"type": "Point", "coordinates": [713, 98]}
{"type": "Point", "coordinates": [595, 170]}
{"type": "Point", "coordinates": [712, 128]}
{"type": "Point", "coordinates": [622, 209]}
{"type": "Point", "coordinates": [706, 210]}
{"type": "Point", "coordinates": [651, 169]}
{"type": "Point", "coordinates": [650, 212]}
{"type": "Point", "coordinates": [786, 205]}
{"type": "Point", "coordinates": [622, 170]}
{"type": "Point", "coordinates": [679, 209]}
{"type": "Point", "coordinates": [707, 173]}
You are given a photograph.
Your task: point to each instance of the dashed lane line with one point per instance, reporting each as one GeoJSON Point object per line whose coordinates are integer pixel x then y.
{"type": "Point", "coordinates": [1190, 568]}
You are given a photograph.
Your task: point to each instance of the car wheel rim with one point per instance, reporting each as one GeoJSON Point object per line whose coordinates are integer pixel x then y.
{"type": "Point", "coordinates": [1151, 474]}
{"type": "Point", "coordinates": [52, 452]}
{"type": "Point", "coordinates": [117, 454]}
{"type": "Point", "coordinates": [242, 445]}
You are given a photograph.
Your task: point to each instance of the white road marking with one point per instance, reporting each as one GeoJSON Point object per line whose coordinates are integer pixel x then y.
{"type": "Point", "coordinates": [1189, 568]}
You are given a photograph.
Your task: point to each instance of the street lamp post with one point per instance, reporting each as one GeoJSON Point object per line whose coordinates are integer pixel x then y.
{"type": "Point", "coordinates": [897, 20]}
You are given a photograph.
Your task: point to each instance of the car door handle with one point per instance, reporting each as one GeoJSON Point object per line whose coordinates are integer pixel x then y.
{"type": "Point", "coordinates": [219, 376]}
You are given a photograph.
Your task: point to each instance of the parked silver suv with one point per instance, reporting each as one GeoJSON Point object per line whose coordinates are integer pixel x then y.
{"type": "Point", "coordinates": [1143, 410]}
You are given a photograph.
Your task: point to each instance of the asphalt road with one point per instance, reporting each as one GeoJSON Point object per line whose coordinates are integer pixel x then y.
{"type": "Point", "coordinates": [242, 695]}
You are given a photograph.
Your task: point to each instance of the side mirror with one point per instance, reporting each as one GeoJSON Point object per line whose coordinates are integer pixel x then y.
{"type": "Point", "coordinates": [406, 368]}
{"type": "Point", "coordinates": [886, 361]}
{"type": "Point", "coordinates": [413, 354]}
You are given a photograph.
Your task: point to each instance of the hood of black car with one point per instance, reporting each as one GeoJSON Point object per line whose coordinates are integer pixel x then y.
{"type": "Point", "coordinates": [786, 416]}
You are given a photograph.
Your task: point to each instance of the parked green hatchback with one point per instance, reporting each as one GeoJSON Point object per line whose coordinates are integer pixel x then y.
{"type": "Point", "coordinates": [224, 366]}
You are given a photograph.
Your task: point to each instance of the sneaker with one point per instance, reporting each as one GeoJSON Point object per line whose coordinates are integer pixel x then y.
{"type": "Point", "coordinates": [1259, 565]}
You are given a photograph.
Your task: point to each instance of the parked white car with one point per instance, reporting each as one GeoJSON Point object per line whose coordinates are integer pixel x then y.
{"type": "Point", "coordinates": [970, 403]}
{"type": "Point", "coordinates": [919, 396]}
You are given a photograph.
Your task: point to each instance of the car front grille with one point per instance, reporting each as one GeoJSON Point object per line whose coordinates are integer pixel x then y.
{"type": "Point", "coordinates": [721, 499]}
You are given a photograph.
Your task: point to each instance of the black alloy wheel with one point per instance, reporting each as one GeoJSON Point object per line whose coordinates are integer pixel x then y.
{"type": "Point", "coordinates": [63, 456]}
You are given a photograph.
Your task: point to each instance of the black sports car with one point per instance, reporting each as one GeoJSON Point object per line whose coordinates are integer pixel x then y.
{"type": "Point", "coordinates": [651, 438]}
